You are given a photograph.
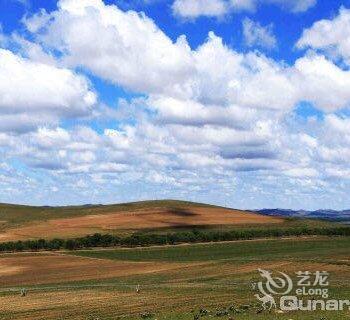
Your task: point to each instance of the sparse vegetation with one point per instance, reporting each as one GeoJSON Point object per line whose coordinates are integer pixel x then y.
{"type": "Point", "coordinates": [14, 214]}
{"type": "Point", "coordinates": [203, 277]}
{"type": "Point", "coordinates": [30, 223]}
{"type": "Point", "coordinates": [178, 282]}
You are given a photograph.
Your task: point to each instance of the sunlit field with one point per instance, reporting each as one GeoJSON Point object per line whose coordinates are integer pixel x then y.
{"type": "Point", "coordinates": [175, 282]}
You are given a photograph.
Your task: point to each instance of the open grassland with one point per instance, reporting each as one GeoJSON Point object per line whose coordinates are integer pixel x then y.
{"type": "Point", "coordinates": [18, 214]}
{"type": "Point", "coordinates": [43, 268]}
{"type": "Point", "coordinates": [175, 281]}
{"type": "Point", "coordinates": [153, 217]}
{"type": "Point", "coordinates": [302, 248]}
{"type": "Point", "coordinates": [22, 223]}
{"type": "Point", "coordinates": [134, 220]}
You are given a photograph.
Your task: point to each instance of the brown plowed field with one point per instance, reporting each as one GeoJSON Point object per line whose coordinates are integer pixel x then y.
{"type": "Point", "coordinates": [135, 220]}
{"type": "Point", "coordinates": [26, 269]}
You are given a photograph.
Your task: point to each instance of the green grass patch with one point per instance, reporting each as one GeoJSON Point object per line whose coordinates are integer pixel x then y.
{"type": "Point", "coordinates": [310, 249]}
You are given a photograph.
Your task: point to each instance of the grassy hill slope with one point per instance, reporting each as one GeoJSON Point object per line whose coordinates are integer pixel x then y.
{"type": "Point", "coordinates": [18, 214]}
{"type": "Point", "coordinates": [19, 222]}
{"type": "Point", "coordinates": [27, 222]}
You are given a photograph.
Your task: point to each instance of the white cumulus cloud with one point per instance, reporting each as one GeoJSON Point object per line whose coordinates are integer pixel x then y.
{"type": "Point", "coordinates": [126, 48]}
{"type": "Point", "coordinates": [33, 93]}
{"type": "Point", "coordinates": [257, 35]}
{"type": "Point", "coordinates": [330, 36]}
{"type": "Point", "coordinates": [206, 116]}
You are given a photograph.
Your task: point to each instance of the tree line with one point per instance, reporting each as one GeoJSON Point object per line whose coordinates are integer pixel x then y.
{"type": "Point", "coordinates": [147, 239]}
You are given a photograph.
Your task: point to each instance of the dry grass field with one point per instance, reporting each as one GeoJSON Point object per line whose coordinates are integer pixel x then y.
{"type": "Point", "coordinates": [46, 268]}
{"type": "Point", "coordinates": [175, 281]}
{"type": "Point", "coordinates": [170, 215]}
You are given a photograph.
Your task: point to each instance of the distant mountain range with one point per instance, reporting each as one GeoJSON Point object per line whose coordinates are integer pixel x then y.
{"type": "Point", "coordinates": [325, 214]}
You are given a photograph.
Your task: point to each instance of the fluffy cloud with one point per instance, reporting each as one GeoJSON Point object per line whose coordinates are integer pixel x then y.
{"type": "Point", "coordinates": [34, 93]}
{"type": "Point", "coordinates": [213, 74]}
{"type": "Point", "coordinates": [191, 9]}
{"type": "Point", "coordinates": [210, 107]}
{"type": "Point", "coordinates": [322, 82]}
{"type": "Point", "coordinates": [189, 112]}
{"type": "Point", "coordinates": [114, 44]}
{"type": "Point", "coordinates": [330, 36]}
{"type": "Point", "coordinates": [257, 35]}
{"type": "Point", "coordinates": [326, 147]}
{"type": "Point", "coordinates": [194, 9]}
{"type": "Point", "coordinates": [206, 116]}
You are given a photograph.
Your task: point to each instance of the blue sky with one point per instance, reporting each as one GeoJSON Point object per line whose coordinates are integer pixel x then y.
{"type": "Point", "coordinates": [238, 103]}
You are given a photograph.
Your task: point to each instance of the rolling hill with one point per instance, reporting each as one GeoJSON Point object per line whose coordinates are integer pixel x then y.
{"type": "Point", "coordinates": [25, 222]}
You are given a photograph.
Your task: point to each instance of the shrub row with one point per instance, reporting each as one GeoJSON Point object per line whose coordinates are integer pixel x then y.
{"type": "Point", "coordinates": [146, 239]}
